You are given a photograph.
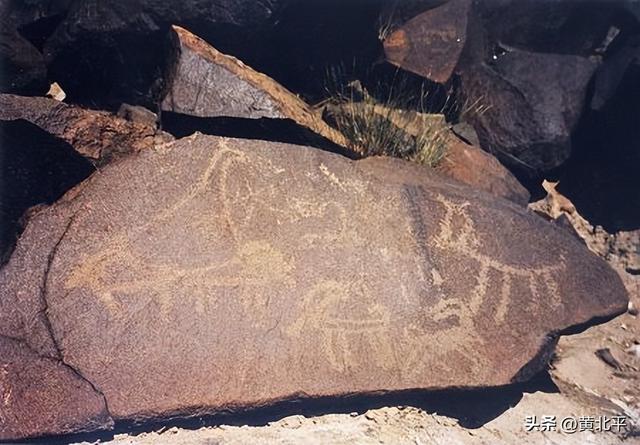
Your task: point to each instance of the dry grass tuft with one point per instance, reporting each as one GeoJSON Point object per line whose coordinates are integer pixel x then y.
{"type": "Point", "coordinates": [391, 127]}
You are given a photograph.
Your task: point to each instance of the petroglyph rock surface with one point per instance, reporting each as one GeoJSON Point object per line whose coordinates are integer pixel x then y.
{"type": "Point", "coordinates": [214, 274]}
{"type": "Point", "coordinates": [41, 395]}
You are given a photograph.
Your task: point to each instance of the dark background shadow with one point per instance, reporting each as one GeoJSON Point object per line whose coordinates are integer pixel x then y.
{"type": "Point", "coordinates": [35, 168]}
{"type": "Point", "coordinates": [274, 130]}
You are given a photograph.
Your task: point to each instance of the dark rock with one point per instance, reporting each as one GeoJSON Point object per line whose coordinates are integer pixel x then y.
{"type": "Point", "coordinates": [431, 43]}
{"type": "Point", "coordinates": [203, 82]}
{"type": "Point", "coordinates": [35, 168]}
{"type": "Point", "coordinates": [22, 67]}
{"type": "Point", "coordinates": [44, 396]}
{"type": "Point", "coordinates": [534, 136]}
{"type": "Point", "coordinates": [612, 72]}
{"type": "Point", "coordinates": [312, 38]}
{"type": "Point", "coordinates": [601, 178]}
{"type": "Point", "coordinates": [559, 27]}
{"type": "Point", "coordinates": [227, 273]}
{"type": "Point", "coordinates": [31, 17]}
{"type": "Point", "coordinates": [138, 114]}
{"type": "Point", "coordinates": [24, 28]}
{"type": "Point", "coordinates": [529, 114]}
{"type": "Point", "coordinates": [395, 13]}
{"type": "Point", "coordinates": [97, 135]}
{"type": "Point", "coordinates": [110, 52]}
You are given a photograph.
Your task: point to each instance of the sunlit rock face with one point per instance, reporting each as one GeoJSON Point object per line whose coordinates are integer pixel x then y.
{"type": "Point", "coordinates": [215, 274]}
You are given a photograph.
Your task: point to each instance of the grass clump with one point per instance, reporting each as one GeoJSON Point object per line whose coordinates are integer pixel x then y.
{"type": "Point", "coordinates": [397, 126]}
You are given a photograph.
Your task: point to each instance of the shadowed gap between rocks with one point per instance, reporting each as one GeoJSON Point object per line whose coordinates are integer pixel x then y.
{"type": "Point", "coordinates": [601, 178]}
{"type": "Point", "coordinates": [312, 36]}
{"type": "Point", "coordinates": [39, 31]}
{"type": "Point", "coordinates": [35, 168]}
{"type": "Point", "coordinates": [274, 130]}
{"type": "Point", "coordinates": [472, 408]}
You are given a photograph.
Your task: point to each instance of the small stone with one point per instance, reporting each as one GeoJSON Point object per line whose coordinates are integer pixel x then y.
{"type": "Point", "coordinates": [634, 350]}
{"type": "Point", "coordinates": [56, 92]}
{"type": "Point", "coordinates": [632, 309]}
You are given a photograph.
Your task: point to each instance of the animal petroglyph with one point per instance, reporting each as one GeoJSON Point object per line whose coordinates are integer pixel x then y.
{"type": "Point", "coordinates": [251, 199]}
{"type": "Point", "coordinates": [453, 315]}
{"type": "Point", "coordinates": [248, 262]}
{"type": "Point", "coordinates": [234, 281]}
{"type": "Point", "coordinates": [248, 197]}
{"type": "Point", "coordinates": [323, 313]}
{"type": "Point", "coordinates": [457, 233]}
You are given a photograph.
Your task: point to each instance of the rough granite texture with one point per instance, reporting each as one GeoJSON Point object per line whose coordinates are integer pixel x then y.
{"type": "Point", "coordinates": [214, 274]}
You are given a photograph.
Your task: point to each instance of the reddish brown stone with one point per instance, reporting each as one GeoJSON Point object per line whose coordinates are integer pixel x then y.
{"type": "Point", "coordinates": [225, 273]}
{"type": "Point", "coordinates": [479, 169]}
{"type": "Point", "coordinates": [463, 162]}
{"type": "Point", "coordinates": [41, 396]}
{"type": "Point", "coordinates": [430, 44]}
{"type": "Point", "coordinates": [97, 135]}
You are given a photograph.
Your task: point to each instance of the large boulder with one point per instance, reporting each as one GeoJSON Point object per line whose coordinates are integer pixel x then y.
{"type": "Point", "coordinates": [35, 19]}
{"type": "Point", "coordinates": [218, 274]}
{"type": "Point", "coordinates": [528, 114]}
{"type": "Point", "coordinates": [575, 27]}
{"type": "Point", "coordinates": [24, 28]}
{"type": "Point", "coordinates": [22, 67]}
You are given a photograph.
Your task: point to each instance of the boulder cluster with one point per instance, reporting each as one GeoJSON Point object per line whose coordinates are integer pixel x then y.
{"type": "Point", "coordinates": [185, 230]}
